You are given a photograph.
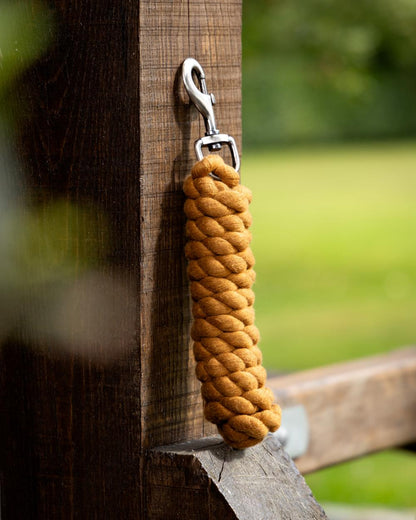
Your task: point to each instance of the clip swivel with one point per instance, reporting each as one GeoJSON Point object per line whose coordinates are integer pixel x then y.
{"type": "Point", "coordinates": [205, 102]}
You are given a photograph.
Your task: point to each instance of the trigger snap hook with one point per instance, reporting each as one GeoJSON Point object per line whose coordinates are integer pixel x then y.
{"type": "Point", "coordinates": [205, 102]}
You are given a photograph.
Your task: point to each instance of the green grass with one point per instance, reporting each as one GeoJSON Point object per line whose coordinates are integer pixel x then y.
{"type": "Point", "coordinates": [335, 243]}
{"type": "Point", "coordinates": [386, 478]}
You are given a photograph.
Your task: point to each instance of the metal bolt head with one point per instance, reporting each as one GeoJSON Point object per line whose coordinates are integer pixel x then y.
{"type": "Point", "coordinates": [213, 100]}
{"type": "Point", "coordinates": [282, 434]}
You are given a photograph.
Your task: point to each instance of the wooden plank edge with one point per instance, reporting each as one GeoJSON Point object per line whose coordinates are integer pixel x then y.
{"type": "Point", "coordinates": [207, 479]}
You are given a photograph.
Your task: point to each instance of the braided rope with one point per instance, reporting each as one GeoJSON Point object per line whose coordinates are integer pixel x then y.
{"type": "Point", "coordinates": [221, 276]}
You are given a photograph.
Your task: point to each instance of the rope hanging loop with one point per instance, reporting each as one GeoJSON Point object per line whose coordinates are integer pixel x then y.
{"type": "Point", "coordinates": [220, 269]}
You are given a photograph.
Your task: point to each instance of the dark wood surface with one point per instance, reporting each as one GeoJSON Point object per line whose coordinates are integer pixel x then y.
{"type": "Point", "coordinates": [98, 365]}
{"type": "Point", "coordinates": [71, 423]}
{"type": "Point", "coordinates": [169, 125]}
{"type": "Point", "coordinates": [258, 483]}
{"type": "Point", "coordinates": [354, 408]}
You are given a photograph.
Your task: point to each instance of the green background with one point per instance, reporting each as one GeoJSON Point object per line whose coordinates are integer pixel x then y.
{"type": "Point", "coordinates": [329, 126]}
{"type": "Point", "coordinates": [334, 240]}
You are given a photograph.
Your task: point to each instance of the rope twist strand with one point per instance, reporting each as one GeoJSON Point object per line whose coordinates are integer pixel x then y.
{"type": "Point", "coordinates": [221, 275]}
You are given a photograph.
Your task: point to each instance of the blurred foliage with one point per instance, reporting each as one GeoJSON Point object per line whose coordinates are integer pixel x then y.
{"type": "Point", "coordinates": [333, 238]}
{"type": "Point", "coordinates": [25, 31]}
{"type": "Point", "coordinates": [328, 70]}
{"type": "Point", "coordinates": [50, 243]}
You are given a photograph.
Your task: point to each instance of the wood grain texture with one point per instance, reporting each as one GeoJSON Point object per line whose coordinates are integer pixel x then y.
{"type": "Point", "coordinates": [169, 125]}
{"type": "Point", "coordinates": [209, 480]}
{"type": "Point", "coordinates": [354, 408]}
{"type": "Point", "coordinates": [107, 126]}
{"type": "Point", "coordinates": [70, 426]}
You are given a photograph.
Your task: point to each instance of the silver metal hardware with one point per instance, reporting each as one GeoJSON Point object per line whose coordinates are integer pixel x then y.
{"type": "Point", "coordinates": [294, 431]}
{"type": "Point", "coordinates": [205, 102]}
{"type": "Point", "coordinates": [218, 138]}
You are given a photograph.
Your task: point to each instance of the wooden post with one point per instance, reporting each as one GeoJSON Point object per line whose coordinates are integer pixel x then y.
{"type": "Point", "coordinates": [104, 147]}
{"type": "Point", "coordinates": [169, 125]}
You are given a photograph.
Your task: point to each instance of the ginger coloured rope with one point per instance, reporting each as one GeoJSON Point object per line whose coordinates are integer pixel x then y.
{"type": "Point", "coordinates": [221, 275]}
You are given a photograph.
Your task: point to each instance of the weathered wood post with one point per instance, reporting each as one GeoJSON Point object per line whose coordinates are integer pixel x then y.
{"type": "Point", "coordinates": [109, 128]}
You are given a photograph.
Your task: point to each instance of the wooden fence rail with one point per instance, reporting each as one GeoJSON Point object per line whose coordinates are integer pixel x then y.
{"type": "Point", "coordinates": [354, 408]}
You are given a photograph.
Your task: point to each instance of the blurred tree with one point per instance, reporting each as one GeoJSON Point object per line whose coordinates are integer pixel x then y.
{"type": "Point", "coordinates": [328, 70]}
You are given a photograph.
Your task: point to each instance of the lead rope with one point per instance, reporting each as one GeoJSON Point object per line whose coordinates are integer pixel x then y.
{"type": "Point", "coordinates": [221, 275]}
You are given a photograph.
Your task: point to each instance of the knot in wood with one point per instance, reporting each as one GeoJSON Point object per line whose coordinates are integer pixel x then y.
{"type": "Point", "coordinates": [221, 275]}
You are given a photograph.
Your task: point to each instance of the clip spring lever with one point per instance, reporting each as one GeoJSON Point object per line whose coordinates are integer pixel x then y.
{"type": "Point", "coordinates": [205, 102]}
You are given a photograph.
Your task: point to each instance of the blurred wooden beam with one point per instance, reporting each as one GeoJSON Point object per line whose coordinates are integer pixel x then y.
{"type": "Point", "coordinates": [348, 512]}
{"type": "Point", "coordinates": [354, 408]}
